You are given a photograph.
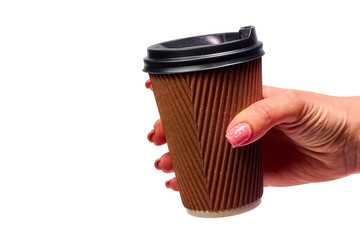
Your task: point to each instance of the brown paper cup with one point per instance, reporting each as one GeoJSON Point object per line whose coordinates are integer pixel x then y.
{"type": "Point", "coordinates": [195, 108]}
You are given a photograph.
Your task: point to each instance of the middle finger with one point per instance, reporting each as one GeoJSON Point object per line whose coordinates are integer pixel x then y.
{"type": "Point", "coordinates": [157, 135]}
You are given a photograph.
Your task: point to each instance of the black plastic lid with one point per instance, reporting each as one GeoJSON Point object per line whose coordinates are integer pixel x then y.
{"type": "Point", "coordinates": [203, 52]}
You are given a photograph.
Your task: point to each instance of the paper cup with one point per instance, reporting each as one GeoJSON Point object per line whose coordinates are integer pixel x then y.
{"type": "Point", "coordinates": [195, 107]}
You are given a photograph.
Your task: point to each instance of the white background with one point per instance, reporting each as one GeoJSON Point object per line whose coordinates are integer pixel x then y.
{"type": "Point", "coordinates": [74, 114]}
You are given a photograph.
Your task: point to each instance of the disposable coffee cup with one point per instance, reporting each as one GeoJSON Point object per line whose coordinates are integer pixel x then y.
{"type": "Point", "coordinates": [200, 83]}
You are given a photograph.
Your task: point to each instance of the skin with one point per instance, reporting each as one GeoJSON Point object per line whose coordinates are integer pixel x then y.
{"type": "Point", "coordinates": [307, 137]}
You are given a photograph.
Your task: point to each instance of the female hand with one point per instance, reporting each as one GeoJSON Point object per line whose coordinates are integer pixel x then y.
{"type": "Point", "coordinates": [306, 137]}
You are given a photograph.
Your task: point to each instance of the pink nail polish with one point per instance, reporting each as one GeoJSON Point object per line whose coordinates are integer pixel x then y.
{"type": "Point", "coordinates": [172, 184]}
{"type": "Point", "coordinates": [239, 134]}
{"type": "Point", "coordinates": [156, 164]}
{"type": "Point", "coordinates": [151, 135]}
{"type": "Point", "coordinates": [148, 84]}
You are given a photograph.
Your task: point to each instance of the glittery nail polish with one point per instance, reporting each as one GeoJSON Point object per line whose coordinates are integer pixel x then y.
{"type": "Point", "coordinates": [156, 164]}
{"type": "Point", "coordinates": [172, 184]}
{"type": "Point", "coordinates": [148, 84]}
{"type": "Point", "coordinates": [151, 135]}
{"type": "Point", "coordinates": [239, 134]}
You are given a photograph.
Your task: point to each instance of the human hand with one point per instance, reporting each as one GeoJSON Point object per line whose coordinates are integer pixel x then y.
{"type": "Point", "coordinates": [306, 137]}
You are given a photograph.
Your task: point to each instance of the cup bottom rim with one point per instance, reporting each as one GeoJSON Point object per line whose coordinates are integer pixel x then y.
{"type": "Point", "coordinates": [224, 213]}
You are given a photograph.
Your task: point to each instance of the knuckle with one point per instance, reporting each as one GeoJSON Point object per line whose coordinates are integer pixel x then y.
{"type": "Point", "coordinates": [292, 95]}
{"type": "Point", "coordinates": [264, 113]}
{"type": "Point", "coordinates": [296, 101]}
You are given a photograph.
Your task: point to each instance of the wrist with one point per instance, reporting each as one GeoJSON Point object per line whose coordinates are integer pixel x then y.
{"type": "Point", "coordinates": [357, 147]}
{"type": "Point", "coordinates": [357, 170]}
{"type": "Point", "coordinates": [353, 140]}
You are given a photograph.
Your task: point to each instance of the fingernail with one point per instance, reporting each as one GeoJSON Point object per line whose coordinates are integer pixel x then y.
{"type": "Point", "coordinates": [167, 183]}
{"type": "Point", "coordinates": [151, 135]}
{"type": "Point", "coordinates": [148, 84]}
{"type": "Point", "coordinates": [172, 184]}
{"type": "Point", "coordinates": [239, 134]}
{"type": "Point", "coordinates": [156, 164]}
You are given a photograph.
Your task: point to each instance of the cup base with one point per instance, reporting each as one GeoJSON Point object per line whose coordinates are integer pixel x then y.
{"type": "Point", "coordinates": [225, 213]}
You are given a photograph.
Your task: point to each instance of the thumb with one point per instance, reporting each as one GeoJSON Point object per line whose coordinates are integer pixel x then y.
{"type": "Point", "coordinates": [254, 121]}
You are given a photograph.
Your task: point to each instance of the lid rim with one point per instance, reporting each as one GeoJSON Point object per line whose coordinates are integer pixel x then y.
{"type": "Point", "coordinates": [199, 67]}
{"type": "Point", "coordinates": [198, 53]}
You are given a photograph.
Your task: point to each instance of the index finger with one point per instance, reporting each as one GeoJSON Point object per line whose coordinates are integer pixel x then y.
{"type": "Point", "coordinates": [148, 84]}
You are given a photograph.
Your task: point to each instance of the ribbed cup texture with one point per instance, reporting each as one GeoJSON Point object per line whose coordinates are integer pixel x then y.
{"type": "Point", "coordinates": [195, 109]}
